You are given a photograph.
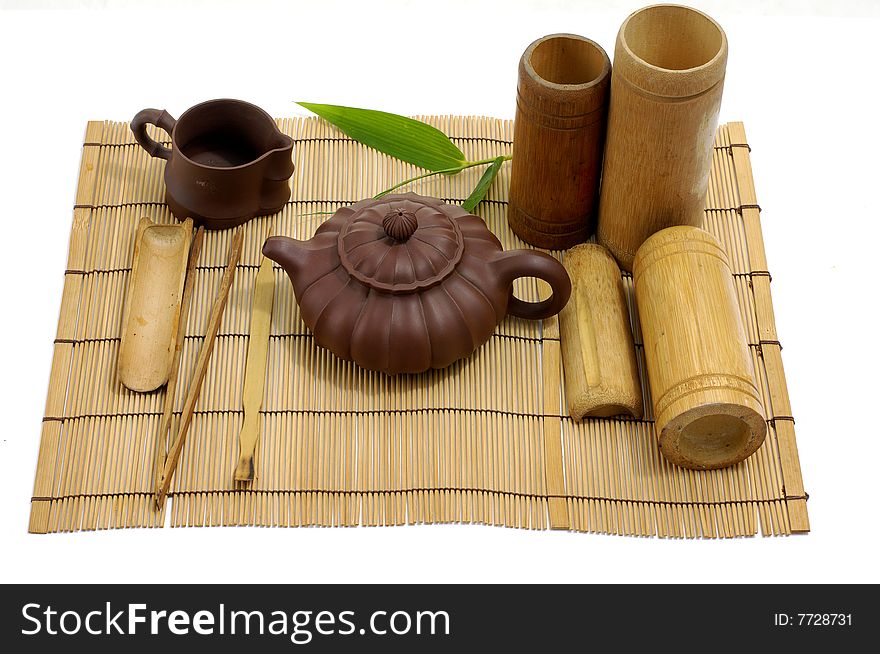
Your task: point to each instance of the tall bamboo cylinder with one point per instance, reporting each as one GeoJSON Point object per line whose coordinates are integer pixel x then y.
{"type": "Point", "coordinates": [598, 354]}
{"type": "Point", "coordinates": [669, 64]}
{"type": "Point", "coordinates": [559, 135]}
{"type": "Point", "coordinates": [707, 408]}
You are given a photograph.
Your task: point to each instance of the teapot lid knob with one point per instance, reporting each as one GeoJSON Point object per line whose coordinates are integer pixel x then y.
{"type": "Point", "coordinates": [400, 224]}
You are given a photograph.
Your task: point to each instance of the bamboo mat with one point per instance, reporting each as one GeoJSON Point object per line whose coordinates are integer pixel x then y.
{"type": "Point", "coordinates": [485, 441]}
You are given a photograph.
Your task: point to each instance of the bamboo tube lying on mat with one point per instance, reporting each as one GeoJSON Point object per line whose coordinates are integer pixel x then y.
{"type": "Point", "coordinates": [201, 367]}
{"type": "Point", "coordinates": [559, 134]}
{"type": "Point", "coordinates": [669, 65]}
{"type": "Point", "coordinates": [707, 409]}
{"type": "Point", "coordinates": [598, 354]}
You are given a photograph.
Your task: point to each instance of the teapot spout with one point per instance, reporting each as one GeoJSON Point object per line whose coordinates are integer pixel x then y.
{"type": "Point", "coordinates": [303, 261]}
{"type": "Point", "coordinates": [288, 252]}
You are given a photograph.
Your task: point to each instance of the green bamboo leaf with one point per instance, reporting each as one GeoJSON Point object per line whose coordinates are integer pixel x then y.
{"type": "Point", "coordinates": [403, 138]}
{"type": "Point", "coordinates": [483, 185]}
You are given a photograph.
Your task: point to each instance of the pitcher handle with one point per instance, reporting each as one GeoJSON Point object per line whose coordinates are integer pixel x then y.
{"type": "Point", "coordinates": [159, 118]}
{"type": "Point", "coordinates": [531, 263]}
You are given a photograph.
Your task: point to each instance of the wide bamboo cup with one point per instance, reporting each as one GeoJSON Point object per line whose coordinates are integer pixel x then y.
{"type": "Point", "coordinates": [669, 65]}
{"type": "Point", "coordinates": [559, 135]}
{"type": "Point", "coordinates": [598, 354]}
{"type": "Point", "coordinates": [707, 409]}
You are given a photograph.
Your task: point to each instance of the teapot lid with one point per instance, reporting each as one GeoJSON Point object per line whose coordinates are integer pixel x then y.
{"type": "Point", "coordinates": [401, 244]}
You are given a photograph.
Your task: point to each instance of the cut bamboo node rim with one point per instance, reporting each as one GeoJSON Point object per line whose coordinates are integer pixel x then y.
{"type": "Point", "coordinates": [707, 408]}
{"type": "Point", "coordinates": [559, 134]}
{"type": "Point", "coordinates": [599, 357]}
{"type": "Point", "coordinates": [669, 65]}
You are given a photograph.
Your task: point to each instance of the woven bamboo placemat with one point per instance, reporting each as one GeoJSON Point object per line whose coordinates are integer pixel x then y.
{"type": "Point", "coordinates": [485, 441]}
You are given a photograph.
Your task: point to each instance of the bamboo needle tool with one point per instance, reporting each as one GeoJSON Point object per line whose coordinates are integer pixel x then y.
{"type": "Point", "coordinates": [488, 441]}
{"type": "Point", "coordinates": [255, 369]}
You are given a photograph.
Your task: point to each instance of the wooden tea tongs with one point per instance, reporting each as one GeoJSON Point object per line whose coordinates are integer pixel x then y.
{"type": "Point", "coordinates": [163, 481]}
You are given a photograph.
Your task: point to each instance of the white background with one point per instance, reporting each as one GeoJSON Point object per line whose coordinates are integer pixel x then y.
{"type": "Point", "coordinates": [802, 76]}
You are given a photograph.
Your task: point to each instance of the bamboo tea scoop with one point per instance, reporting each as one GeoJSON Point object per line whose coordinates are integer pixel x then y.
{"type": "Point", "coordinates": [201, 368]}
{"type": "Point", "coordinates": [152, 308]}
{"type": "Point", "coordinates": [255, 369]}
{"type": "Point", "coordinates": [171, 388]}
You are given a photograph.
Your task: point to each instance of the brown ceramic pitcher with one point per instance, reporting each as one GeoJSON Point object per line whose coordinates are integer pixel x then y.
{"type": "Point", "coordinates": [227, 163]}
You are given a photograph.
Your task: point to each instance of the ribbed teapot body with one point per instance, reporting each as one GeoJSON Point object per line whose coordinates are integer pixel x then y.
{"type": "Point", "coordinates": [401, 306]}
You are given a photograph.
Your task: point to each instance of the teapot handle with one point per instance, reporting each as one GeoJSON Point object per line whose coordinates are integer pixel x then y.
{"type": "Point", "coordinates": [531, 263]}
{"type": "Point", "coordinates": [161, 119]}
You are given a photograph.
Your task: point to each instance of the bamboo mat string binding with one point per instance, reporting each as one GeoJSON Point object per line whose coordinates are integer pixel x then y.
{"type": "Point", "coordinates": [486, 441]}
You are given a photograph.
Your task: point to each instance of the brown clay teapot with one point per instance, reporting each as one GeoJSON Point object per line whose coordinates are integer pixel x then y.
{"type": "Point", "coordinates": [406, 283]}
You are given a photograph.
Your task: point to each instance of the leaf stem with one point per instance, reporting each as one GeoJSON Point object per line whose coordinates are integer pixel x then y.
{"type": "Point", "coordinates": [447, 171]}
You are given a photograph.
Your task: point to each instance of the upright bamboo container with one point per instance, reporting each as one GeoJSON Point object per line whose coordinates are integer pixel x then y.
{"type": "Point", "coordinates": [707, 409]}
{"type": "Point", "coordinates": [598, 354]}
{"type": "Point", "coordinates": [669, 64]}
{"type": "Point", "coordinates": [559, 135]}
